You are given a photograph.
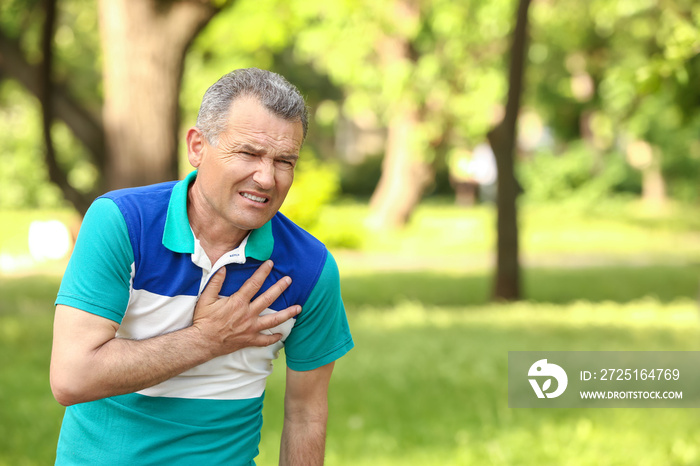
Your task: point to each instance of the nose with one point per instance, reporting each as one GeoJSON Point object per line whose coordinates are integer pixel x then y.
{"type": "Point", "coordinates": [264, 174]}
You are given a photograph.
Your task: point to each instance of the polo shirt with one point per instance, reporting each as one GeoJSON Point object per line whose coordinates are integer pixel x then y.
{"type": "Point", "coordinates": [137, 262]}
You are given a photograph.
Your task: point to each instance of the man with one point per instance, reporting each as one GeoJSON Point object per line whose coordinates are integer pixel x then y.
{"type": "Point", "coordinates": [178, 296]}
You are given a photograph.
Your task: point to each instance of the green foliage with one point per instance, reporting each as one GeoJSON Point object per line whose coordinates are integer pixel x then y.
{"type": "Point", "coordinates": [442, 58]}
{"type": "Point", "coordinates": [22, 172]}
{"type": "Point", "coordinates": [634, 62]}
{"type": "Point", "coordinates": [20, 20]}
{"type": "Point", "coordinates": [314, 186]}
{"type": "Point", "coordinates": [78, 56]}
{"type": "Point", "coordinates": [577, 175]}
{"type": "Point", "coordinates": [393, 56]}
{"type": "Point", "coordinates": [361, 179]}
{"type": "Point", "coordinates": [77, 67]}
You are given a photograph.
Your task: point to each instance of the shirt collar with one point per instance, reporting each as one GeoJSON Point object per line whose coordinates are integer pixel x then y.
{"type": "Point", "coordinates": [178, 236]}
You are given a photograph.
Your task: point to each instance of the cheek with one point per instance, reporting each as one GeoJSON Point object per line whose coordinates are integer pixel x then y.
{"type": "Point", "coordinates": [284, 181]}
{"type": "Point", "coordinates": [229, 172]}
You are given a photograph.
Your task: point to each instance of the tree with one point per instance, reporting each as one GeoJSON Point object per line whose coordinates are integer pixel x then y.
{"type": "Point", "coordinates": [622, 77]}
{"type": "Point", "coordinates": [649, 89]}
{"type": "Point", "coordinates": [503, 140]}
{"type": "Point", "coordinates": [46, 100]}
{"type": "Point", "coordinates": [414, 68]}
{"type": "Point", "coordinates": [144, 45]}
{"type": "Point", "coordinates": [22, 60]}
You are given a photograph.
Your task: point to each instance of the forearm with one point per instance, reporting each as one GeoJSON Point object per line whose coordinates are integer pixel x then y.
{"type": "Point", "coordinates": [303, 443]}
{"type": "Point", "coordinates": [122, 366]}
{"type": "Point", "coordinates": [305, 417]}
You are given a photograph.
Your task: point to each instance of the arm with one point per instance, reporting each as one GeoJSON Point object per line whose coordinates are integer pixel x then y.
{"type": "Point", "coordinates": [305, 416]}
{"type": "Point", "coordinates": [88, 362]}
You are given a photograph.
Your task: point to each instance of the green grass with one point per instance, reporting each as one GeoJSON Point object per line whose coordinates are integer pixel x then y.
{"type": "Point", "coordinates": [559, 286]}
{"type": "Point", "coordinates": [428, 385]}
{"type": "Point", "coordinates": [29, 418]}
{"type": "Point", "coordinates": [612, 231]}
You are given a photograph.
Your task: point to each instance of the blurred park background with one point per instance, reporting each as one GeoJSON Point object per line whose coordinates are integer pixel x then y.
{"type": "Point", "coordinates": [414, 175]}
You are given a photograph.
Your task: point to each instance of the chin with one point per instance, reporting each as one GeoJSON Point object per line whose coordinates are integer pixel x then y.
{"type": "Point", "coordinates": [254, 224]}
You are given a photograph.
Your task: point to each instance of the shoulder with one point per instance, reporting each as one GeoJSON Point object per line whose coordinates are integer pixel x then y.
{"type": "Point", "coordinates": [143, 197]}
{"type": "Point", "coordinates": [144, 210]}
{"type": "Point", "coordinates": [297, 253]}
{"type": "Point", "coordinates": [143, 205]}
{"type": "Point", "coordinates": [291, 241]}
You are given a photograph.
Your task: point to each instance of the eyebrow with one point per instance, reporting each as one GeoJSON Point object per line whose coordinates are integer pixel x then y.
{"type": "Point", "coordinates": [290, 157]}
{"type": "Point", "coordinates": [249, 148]}
{"type": "Point", "coordinates": [245, 147]}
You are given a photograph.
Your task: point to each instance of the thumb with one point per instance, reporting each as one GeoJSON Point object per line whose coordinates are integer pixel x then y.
{"type": "Point", "coordinates": [211, 291]}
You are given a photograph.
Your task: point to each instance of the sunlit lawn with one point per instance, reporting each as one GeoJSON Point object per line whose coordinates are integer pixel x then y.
{"type": "Point", "coordinates": [428, 386]}
{"type": "Point", "coordinates": [612, 232]}
{"type": "Point", "coordinates": [427, 381]}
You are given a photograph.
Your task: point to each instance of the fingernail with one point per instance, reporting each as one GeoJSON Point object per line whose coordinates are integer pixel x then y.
{"type": "Point", "coordinates": [288, 280]}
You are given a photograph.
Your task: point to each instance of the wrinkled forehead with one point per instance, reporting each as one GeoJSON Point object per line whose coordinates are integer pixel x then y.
{"type": "Point", "coordinates": [249, 122]}
{"type": "Point", "coordinates": [250, 100]}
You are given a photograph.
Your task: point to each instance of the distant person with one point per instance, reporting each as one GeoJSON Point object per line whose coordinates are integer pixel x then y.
{"type": "Point", "coordinates": [178, 296]}
{"type": "Point", "coordinates": [473, 175]}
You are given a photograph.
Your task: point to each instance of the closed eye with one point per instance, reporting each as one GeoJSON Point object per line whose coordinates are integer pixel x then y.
{"type": "Point", "coordinates": [287, 164]}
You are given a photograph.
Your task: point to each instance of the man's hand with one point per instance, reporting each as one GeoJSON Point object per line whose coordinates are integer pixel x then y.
{"type": "Point", "coordinates": [88, 362]}
{"type": "Point", "coordinates": [234, 322]}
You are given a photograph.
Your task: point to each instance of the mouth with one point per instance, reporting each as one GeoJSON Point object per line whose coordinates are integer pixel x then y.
{"type": "Point", "coordinates": [261, 200]}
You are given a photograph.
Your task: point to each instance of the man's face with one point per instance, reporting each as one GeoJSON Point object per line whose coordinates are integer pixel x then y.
{"type": "Point", "coordinates": [244, 179]}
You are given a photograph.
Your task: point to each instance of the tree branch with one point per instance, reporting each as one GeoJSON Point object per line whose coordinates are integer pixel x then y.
{"type": "Point", "coordinates": [86, 127]}
{"type": "Point", "coordinates": [56, 174]}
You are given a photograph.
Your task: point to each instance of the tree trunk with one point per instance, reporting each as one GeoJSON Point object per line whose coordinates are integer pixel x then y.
{"type": "Point", "coordinates": [654, 185]}
{"type": "Point", "coordinates": [144, 44]}
{"type": "Point", "coordinates": [503, 140]}
{"type": "Point", "coordinates": [404, 176]}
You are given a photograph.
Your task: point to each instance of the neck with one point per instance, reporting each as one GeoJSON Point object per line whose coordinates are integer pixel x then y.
{"type": "Point", "coordinates": [216, 236]}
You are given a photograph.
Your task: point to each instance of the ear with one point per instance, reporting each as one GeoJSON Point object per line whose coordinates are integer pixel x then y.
{"type": "Point", "coordinates": [195, 146]}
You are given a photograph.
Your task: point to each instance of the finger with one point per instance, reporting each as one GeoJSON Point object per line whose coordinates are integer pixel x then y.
{"type": "Point", "coordinates": [265, 339]}
{"type": "Point", "coordinates": [269, 321]}
{"type": "Point", "coordinates": [213, 288]}
{"type": "Point", "coordinates": [255, 282]}
{"type": "Point", "coordinates": [264, 301]}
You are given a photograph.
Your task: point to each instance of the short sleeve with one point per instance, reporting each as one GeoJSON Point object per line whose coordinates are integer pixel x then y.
{"type": "Point", "coordinates": [321, 333]}
{"type": "Point", "coordinates": [98, 276]}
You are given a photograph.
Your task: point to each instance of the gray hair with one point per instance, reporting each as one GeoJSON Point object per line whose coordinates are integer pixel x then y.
{"type": "Point", "coordinates": [273, 91]}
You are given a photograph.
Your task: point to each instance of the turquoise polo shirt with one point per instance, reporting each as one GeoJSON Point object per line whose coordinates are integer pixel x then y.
{"type": "Point", "coordinates": [137, 262]}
